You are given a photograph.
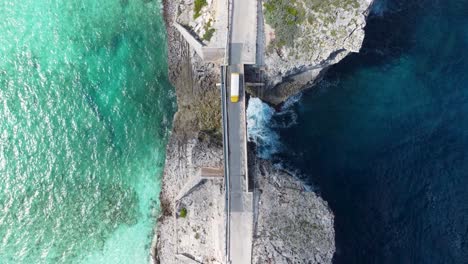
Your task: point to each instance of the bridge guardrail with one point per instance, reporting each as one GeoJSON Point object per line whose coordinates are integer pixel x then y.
{"type": "Point", "coordinates": [226, 159]}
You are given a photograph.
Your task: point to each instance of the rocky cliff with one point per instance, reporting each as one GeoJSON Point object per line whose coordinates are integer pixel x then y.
{"type": "Point", "coordinates": [185, 226]}
{"type": "Point", "coordinates": [303, 38]}
{"type": "Point", "coordinates": [292, 225]}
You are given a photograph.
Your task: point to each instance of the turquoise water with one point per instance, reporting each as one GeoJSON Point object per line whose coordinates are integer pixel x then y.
{"type": "Point", "coordinates": [85, 109]}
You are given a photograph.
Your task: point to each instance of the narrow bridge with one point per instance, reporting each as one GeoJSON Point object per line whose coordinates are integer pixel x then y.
{"type": "Point", "coordinates": [240, 50]}
{"type": "Point", "coordinates": [239, 218]}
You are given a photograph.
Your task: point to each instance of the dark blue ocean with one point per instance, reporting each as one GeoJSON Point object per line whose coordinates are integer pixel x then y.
{"type": "Point", "coordinates": [384, 137]}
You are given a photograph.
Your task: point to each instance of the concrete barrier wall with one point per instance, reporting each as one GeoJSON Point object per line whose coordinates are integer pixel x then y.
{"type": "Point", "coordinates": [213, 54]}
{"type": "Point", "coordinates": [207, 53]}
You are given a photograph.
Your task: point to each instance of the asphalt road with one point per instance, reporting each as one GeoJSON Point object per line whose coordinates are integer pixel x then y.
{"type": "Point", "coordinates": [240, 215]}
{"type": "Point", "coordinates": [236, 140]}
{"type": "Point", "coordinates": [243, 32]}
{"type": "Point", "coordinates": [242, 51]}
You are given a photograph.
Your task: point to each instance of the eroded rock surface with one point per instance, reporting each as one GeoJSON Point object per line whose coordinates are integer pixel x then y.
{"type": "Point", "coordinates": [197, 233]}
{"type": "Point", "coordinates": [302, 38]}
{"type": "Point", "coordinates": [293, 225]}
{"type": "Point", "coordinates": [195, 142]}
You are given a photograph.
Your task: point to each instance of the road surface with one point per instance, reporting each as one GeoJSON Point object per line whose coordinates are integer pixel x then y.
{"type": "Point", "coordinates": [240, 214]}
{"type": "Point", "coordinates": [243, 32]}
{"type": "Point", "coordinates": [242, 50]}
{"type": "Point", "coordinates": [235, 141]}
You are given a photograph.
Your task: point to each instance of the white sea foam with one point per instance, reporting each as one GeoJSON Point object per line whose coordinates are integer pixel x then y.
{"type": "Point", "coordinates": [291, 101]}
{"type": "Point", "coordinates": [263, 123]}
{"type": "Point", "coordinates": [259, 118]}
{"type": "Point", "coordinates": [379, 7]}
{"type": "Point", "coordinates": [263, 120]}
{"type": "Point", "coordinates": [297, 174]}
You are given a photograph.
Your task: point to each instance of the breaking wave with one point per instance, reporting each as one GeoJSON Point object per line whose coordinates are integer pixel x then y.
{"type": "Point", "coordinates": [259, 116]}
{"type": "Point", "coordinates": [263, 122]}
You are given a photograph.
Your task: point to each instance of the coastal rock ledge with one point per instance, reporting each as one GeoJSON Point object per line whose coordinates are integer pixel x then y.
{"type": "Point", "coordinates": [291, 223]}
{"type": "Point", "coordinates": [301, 39]}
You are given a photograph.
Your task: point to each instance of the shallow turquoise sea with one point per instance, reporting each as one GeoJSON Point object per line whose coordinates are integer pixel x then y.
{"type": "Point", "coordinates": [86, 108]}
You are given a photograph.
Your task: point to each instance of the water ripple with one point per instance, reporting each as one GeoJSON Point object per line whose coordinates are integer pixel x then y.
{"type": "Point", "coordinates": [78, 126]}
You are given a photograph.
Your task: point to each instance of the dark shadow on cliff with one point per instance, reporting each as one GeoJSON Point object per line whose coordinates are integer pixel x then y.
{"type": "Point", "coordinates": [382, 43]}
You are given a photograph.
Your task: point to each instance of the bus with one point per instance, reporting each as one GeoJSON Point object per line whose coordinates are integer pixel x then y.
{"type": "Point", "coordinates": [234, 87]}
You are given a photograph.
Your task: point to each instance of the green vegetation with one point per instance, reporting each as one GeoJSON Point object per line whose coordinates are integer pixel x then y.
{"type": "Point", "coordinates": [208, 34]}
{"type": "Point", "coordinates": [328, 6]}
{"type": "Point", "coordinates": [209, 31]}
{"type": "Point", "coordinates": [284, 17]}
{"type": "Point", "coordinates": [198, 5]}
{"type": "Point", "coordinates": [207, 108]}
{"type": "Point", "coordinates": [287, 16]}
{"type": "Point", "coordinates": [183, 212]}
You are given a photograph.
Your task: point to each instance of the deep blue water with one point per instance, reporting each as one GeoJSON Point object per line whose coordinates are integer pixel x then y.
{"type": "Point", "coordinates": [384, 137]}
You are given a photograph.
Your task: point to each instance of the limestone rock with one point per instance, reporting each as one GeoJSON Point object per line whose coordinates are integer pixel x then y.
{"type": "Point", "coordinates": [293, 225]}
{"type": "Point", "coordinates": [318, 35]}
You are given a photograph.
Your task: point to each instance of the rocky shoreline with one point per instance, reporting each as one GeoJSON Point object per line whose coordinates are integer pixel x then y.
{"type": "Point", "coordinates": [195, 141]}
{"type": "Point", "coordinates": [324, 34]}
{"type": "Point", "coordinates": [291, 224]}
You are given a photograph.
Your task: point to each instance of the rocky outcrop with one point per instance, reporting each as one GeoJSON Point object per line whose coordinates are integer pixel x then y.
{"type": "Point", "coordinates": [190, 229]}
{"type": "Point", "coordinates": [303, 38]}
{"type": "Point", "coordinates": [293, 225]}
{"type": "Point", "coordinates": [206, 20]}
{"type": "Point", "coordinates": [195, 142]}
{"type": "Point", "coordinates": [297, 41]}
